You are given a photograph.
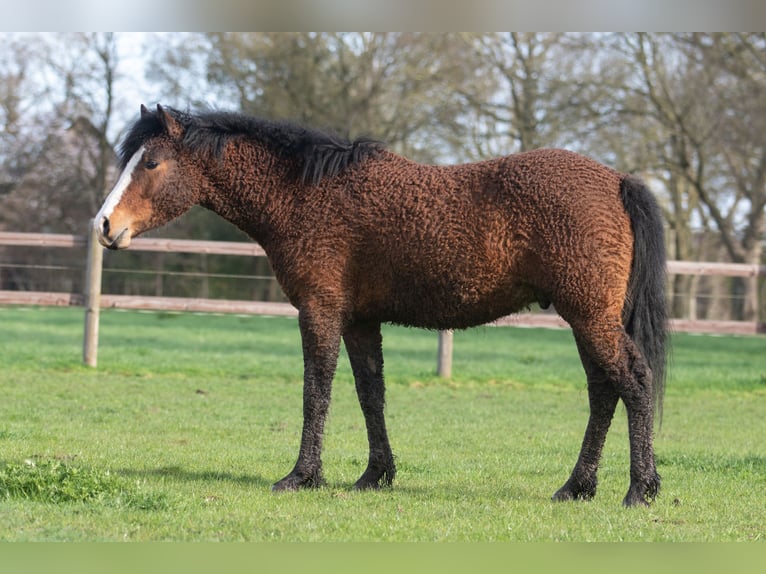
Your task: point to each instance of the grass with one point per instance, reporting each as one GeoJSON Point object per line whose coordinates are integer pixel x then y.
{"type": "Point", "coordinates": [56, 481]}
{"type": "Point", "coordinates": [188, 420]}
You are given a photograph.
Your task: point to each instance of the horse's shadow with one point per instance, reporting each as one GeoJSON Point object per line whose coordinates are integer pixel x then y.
{"type": "Point", "coordinates": [179, 473]}
{"type": "Point", "coordinates": [248, 480]}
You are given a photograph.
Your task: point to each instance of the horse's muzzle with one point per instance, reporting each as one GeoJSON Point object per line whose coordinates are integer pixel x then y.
{"type": "Point", "coordinates": [108, 238]}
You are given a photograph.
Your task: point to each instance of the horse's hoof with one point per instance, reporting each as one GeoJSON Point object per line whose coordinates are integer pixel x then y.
{"type": "Point", "coordinates": [633, 500]}
{"type": "Point", "coordinates": [574, 492]}
{"type": "Point", "coordinates": [642, 494]}
{"type": "Point", "coordinates": [285, 485]}
{"type": "Point", "coordinates": [375, 480]}
{"type": "Point", "coordinates": [635, 497]}
{"type": "Point", "coordinates": [563, 494]}
{"type": "Point", "coordinates": [293, 482]}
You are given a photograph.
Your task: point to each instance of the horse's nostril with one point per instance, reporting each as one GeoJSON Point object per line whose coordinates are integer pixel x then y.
{"type": "Point", "coordinates": [105, 227]}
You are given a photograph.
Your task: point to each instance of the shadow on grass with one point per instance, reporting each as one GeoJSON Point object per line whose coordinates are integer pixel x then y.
{"type": "Point", "coordinates": [404, 488]}
{"type": "Point", "coordinates": [178, 473]}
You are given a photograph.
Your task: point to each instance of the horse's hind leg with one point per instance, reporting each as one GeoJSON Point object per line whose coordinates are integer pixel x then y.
{"type": "Point", "coordinates": [364, 347]}
{"type": "Point", "coordinates": [613, 352]}
{"type": "Point", "coordinates": [636, 391]}
{"type": "Point", "coordinates": [603, 398]}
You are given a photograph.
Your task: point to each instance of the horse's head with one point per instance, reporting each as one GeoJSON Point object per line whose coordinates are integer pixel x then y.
{"type": "Point", "coordinates": [153, 187]}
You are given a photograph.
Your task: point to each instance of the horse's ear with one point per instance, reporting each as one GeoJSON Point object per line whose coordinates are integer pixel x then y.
{"type": "Point", "coordinates": [171, 125]}
{"type": "Point", "coordinates": [144, 111]}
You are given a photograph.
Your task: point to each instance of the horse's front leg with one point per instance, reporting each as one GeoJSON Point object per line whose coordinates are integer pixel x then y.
{"type": "Point", "coordinates": [320, 333]}
{"type": "Point", "coordinates": [364, 346]}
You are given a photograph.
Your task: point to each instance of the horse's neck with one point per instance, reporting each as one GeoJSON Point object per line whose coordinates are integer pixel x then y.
{"type": "Point", "coordinates": [251, 185]}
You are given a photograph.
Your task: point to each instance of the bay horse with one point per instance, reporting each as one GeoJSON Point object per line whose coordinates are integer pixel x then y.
{"type": "Point", "coordinates": [358, 236]}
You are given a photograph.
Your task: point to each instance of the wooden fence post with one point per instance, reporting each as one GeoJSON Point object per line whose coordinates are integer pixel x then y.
{"type": "Point", "coordinates": [92, 299]}
{"type": "Point", "coordinates": [444, 354]}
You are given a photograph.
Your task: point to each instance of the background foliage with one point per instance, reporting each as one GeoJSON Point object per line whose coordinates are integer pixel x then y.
{"type": "Point", "coordinates": [687, 111]}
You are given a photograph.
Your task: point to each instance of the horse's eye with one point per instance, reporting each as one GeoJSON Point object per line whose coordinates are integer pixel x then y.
{"type": "Point", "coordinates": [150, 164]}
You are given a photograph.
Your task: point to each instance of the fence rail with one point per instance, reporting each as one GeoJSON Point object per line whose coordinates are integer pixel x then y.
{"type": "Point", "coordinates": [14, 238]}
{"type": "Point", "coordinates": [136, 302]}
{"type": "Point", "coordinates": [93, 300]}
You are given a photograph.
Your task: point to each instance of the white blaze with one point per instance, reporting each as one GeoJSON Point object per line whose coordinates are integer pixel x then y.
{"type": "Point", "coordinates": [114, 197]}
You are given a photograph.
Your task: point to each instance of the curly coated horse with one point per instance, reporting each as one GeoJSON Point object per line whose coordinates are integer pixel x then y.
{"type": "Point", "coordinates": [358, 236]}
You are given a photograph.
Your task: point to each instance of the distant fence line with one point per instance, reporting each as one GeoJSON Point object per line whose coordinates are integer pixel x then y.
{"type": "Point", "coordinates": [93, 300]}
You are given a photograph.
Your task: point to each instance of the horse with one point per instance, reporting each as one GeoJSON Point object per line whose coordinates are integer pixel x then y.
{"type": "Point", "coordinates": [358, 235]}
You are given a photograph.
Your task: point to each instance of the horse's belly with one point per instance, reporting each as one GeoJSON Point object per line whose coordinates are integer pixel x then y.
{"type": "Point", "coordinates": [458, 307]}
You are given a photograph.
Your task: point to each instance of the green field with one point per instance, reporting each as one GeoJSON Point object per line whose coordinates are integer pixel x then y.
{"type": "Point", "coordinates": [189, 419]}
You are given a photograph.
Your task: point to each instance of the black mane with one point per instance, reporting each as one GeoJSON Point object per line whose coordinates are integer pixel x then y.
{"type": "Point", "coordinates": [320, 153]}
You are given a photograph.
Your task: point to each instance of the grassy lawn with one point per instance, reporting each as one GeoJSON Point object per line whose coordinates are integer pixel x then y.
{"type": "Point", "coordinates": [188, 420]}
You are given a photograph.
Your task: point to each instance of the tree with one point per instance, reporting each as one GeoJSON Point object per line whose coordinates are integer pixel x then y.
{"type": "Point", "coordinates": [18, 140]}
{"type": "Point", "coordinates": [706, 91]}
{"type": "Point", "coordinates": [57, 156]}
{"type": "Point", "coordinates": [738, 66]}
{"type": "Point", "coordinates": [512, 105]}
{"type": "Point", "coordinates": [65, 175]}
{"type": "Point", "coordinates": [685, 111]}
{"type": "Point", "coordinates": [395, 87]}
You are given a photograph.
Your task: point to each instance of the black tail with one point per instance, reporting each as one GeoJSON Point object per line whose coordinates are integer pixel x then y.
{"type": "Point", "coordinates": [646, 314]}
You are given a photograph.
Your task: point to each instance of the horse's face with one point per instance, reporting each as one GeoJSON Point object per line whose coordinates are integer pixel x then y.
{"type": "Point", "coordinates": [152, 189]}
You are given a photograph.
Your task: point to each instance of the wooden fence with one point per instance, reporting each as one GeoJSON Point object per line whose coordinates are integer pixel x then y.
{"type": "Point", "coordinates": [93, 300]}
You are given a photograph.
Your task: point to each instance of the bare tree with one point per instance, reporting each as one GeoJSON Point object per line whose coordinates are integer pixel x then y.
{"type": "Point", "coordinates": [19, 141]}
{"type": "Point", "coordinates": [395, 87]}
{"type": "Point", "coordinates": [527, 94]}
{"type": "Point", "coordinates": [686, 111]}
{"type": "Point", "coordinates": [738, 65]}
{"type": "Point", "coordinates": [68, 114]}
{"type": "Point", "coordinates": [707, 94]}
